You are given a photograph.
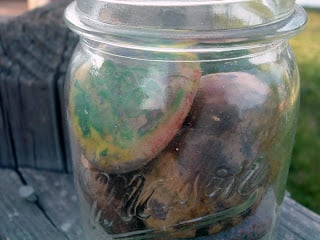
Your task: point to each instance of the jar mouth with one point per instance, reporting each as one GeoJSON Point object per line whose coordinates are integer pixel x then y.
{"type": "Point", "coordinates": [205, 21]}
{"type": "Point", "coordinates": [203, 15]}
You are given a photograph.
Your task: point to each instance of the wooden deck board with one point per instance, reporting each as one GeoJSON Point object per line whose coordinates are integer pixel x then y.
{"type": "Point", "coordinates": [56, 195]}
{"type": "Point", "coordinates": [34, 50]}
{"type": "Point", "coordinates": [298, 222]}
{"type": "Point", "coordinates": [20, 219]}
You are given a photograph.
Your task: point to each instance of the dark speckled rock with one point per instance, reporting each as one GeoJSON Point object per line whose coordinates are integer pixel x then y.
{"type": "Point", "coordinates": [216, 162]}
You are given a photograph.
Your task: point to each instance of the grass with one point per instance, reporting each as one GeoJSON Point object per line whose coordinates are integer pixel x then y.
{"type": "Point", "coordinates": [304, 176]}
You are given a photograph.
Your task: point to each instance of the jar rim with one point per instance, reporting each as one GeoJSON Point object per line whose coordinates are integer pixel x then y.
{"type": "Point", "coordinates": [94, 29]}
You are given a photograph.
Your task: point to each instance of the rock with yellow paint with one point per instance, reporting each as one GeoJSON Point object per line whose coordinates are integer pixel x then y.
{"type": "Point", "coordinates": [123, 114]}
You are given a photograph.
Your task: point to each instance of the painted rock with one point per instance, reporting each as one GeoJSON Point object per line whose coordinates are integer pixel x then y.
{"type": "Point", "coordinates": [215, 167]}
{"type": "Point", "coordinates": [124, 113]}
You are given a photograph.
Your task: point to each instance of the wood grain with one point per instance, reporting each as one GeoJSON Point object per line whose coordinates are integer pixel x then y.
{"type": "Point", "coordinates": [22, 220]}
{"type": "Point", "coordinates": [297, 222]}
{"type": "Point", "coordinates": [56, 195]}
{"type": "Point", "coordinates": [34, 50]}
{"type": "Point", "coordinates": [7, 158]}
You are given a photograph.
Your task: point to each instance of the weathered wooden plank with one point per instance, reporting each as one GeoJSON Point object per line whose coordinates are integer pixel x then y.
{"type": "Point", "coordinates": [7, 157]}
{"type": "Point", "coordinates": [22, 220]}
{"type": "Point", "coordinates": [12, 103]}
{"type": "Point", "coordinates": [6, 151]}
{"type": "Point", "coordinates": [56, 195]}
{"type": "Point", "coordinates": [297, 222]}
{"type": "Point", "coordinates": [56, 192]}
{"type": "Point", "coordinates": [35, 50]}
{"type": "Point", "coordinates": [6, 154]}
{"type": "Point", "coordinates": [3, 139]}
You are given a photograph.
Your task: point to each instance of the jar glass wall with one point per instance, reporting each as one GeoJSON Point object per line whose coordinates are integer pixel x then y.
{"type": "Point", "coordinates": [176, 138]}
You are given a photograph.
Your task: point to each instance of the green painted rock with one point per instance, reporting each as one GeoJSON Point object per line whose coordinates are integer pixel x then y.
{"type": "Point", "coordinates": [123, 113]}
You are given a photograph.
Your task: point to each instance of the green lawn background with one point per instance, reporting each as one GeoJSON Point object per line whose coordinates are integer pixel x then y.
{"type": "Point", "coordinates": [304, 175]}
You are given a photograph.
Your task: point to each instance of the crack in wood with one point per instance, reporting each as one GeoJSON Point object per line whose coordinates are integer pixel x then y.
{"type": "Point", "coordinates": [38, 204]}
{"type": "Point", "coordinates": [59, 99]}
{"type": "Point", "coordinates": [57, 198]}
{"type": "Point", "coordinates": [19, 218]}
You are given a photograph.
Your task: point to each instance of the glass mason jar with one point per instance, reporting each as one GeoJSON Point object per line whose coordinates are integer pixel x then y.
{"type": "Point", "coordinates": [182, 116]}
